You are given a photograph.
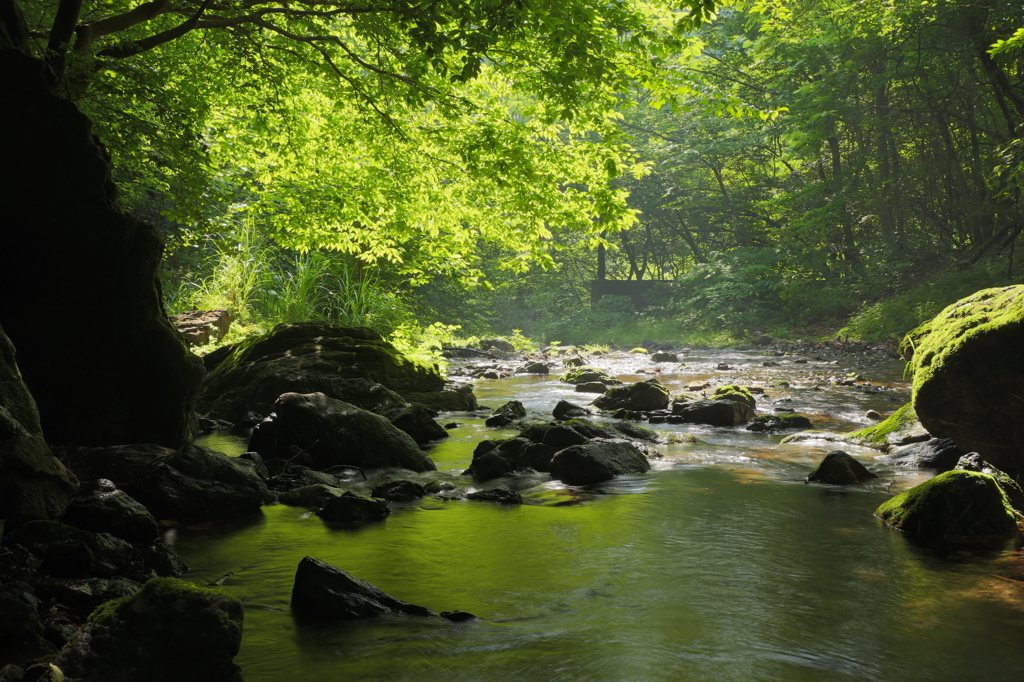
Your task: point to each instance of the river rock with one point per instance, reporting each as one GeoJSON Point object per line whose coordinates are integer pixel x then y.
{"type": "Point", "coordinates": [70, 552]}
{"type": "Point", "coordinates": [350, 509]}
{"type": "Point", "coordinates": [566, 410]}
{"type": "Point", "coordinates": [101, 508]}
{"type": "Point", "coordinates": [310, 357]}
{"type": "Point", "coordinates": [586, 375]}
{"type": "Point", "coordinates": [713, 412]}
{"type": "Point", "coordinates": [968, 368]}
{"type": "Point", "coordinates": [597, 461]}
{"type": "Point", "coordinates": [779, 422]}
{"type": "Point", "coordinates": [21, 633]}
{"type": "Point", "coordinates": [398, 491]}
{"type": "Point", "coordinates": [735, 392]}
{"type": "Point", "coordinates": [956, 509]}
{"type": "Point", "coordinates": [643, 396]}
{"type": "Point", "coordinates": [574, 361]}
{"type": "Point", "coordinates": [941, 454]}
{"type": "Point", "coordinates": [452, 398]}
{"type": "Point", "coordinates": [323, 591]}
{"type": "Point", "coordinates": [1014, 495]}
{"type": "Point", "coordinates": [85, 594]}
{"type": "Point", "coordinates": [664, 357]}
{"type": "Point", "coordinates": [492, 459]}
{"type": "Point", "coordinates": [591, 387]}
{"type": "Point", "coordinates": [313, 496]}
{"type": "Point", "coordinates": [499, 495]}
{"type": "Point", "coordinates": [333, 433]}
{"type": "Point", "coordinates": [170, 630]}
{"type": "Point", "coordinates": [839, 468]}
{"type": "Point", "coordinates": [287, 475]}
{"type": "Point", "coordinates": [535, 368]}
{"type": "Point", "coordinates": [902, 427]}
{"type": "Point", "coordinates": [418, 422]}
{"type": "Point", "coordinates": [506, 414]}
{"type": "Point", "coordinates": [500, 345]}
{"type": "Point", "coordinates": [187, 485]}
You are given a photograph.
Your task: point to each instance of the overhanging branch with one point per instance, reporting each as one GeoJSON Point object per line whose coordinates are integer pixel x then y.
{"type": "Point", "coordinates": [140, 46]}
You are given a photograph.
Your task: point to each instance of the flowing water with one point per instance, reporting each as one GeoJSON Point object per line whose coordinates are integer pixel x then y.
{"type": "Point", "coordinates": [720, 564]}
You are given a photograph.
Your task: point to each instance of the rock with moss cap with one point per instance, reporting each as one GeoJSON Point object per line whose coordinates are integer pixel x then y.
{"type": "Point", "coordinates": [643, 396]}
{"type": "Point", "coordinates": [587, 375]}
{"type": "Point", "coordinates": [735, 392]}
{"type": "Point", "coordinates": [899, 429]}
{"type": "Point", "coordinates": [170, 630]}
{"type": "Point", "coordinates": [313, 357]}
{"type": "Point", "coordinates": [972, 461]}
{"type": "Point", "coordinates": [713, 412]}
{"type": "Point", "coordinates": [968, 369]}
{"type": "Point", "coordinates": [956, 509]}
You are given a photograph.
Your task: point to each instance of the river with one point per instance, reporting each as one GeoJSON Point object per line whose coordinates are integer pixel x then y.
{"type": "Point", "coordinates": [719, 564]}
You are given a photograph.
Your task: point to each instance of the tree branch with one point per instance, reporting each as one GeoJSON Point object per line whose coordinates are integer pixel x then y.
{"type": "Point", "coordinates": [139, 46]}
{"type": "Point", "coordinates": [86, 34]}
{"type": "Point", "coordinates": [13, 30]}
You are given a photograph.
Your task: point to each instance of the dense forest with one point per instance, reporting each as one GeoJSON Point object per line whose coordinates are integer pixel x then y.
{"type": "Point", "coordinates": [802, 168]}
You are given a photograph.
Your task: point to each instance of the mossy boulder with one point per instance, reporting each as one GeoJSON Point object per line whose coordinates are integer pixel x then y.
{"type": "Point", "coordinates": [170, 630]}
{"type": "Point", "coordinates": [900, 428]}
{"type": "Point", "coordinates": [311, 357]}
{"type": "Point", "coordinates": [332, 433]}
{"type": "Point", "coordinates": [956, 509]}
{"type": "Point", "coordinates": [597, 461]}
{"type": "Point", "coordinates": [972, 461]}
{"type": "Point", "coordinates": [968, 370]}
{"type": "Point", "coordinates": [735, 392]}
{"type": "Point", "coordinates": [587, 375]}
{"type": "Point", "coordinates": [643, 396]}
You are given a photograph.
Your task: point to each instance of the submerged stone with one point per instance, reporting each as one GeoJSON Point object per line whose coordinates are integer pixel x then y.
{"type": "Point", "coordinates": [324, 591]}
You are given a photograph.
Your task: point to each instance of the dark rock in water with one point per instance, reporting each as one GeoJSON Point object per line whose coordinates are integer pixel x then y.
{"type": "Point", "coordinates": [453, 616]}
{"type": "Point", "coordinates": [566, 410]}
{"type": "Point", "coordinates": [956, 509]}
{"type": "Point", "coordinates": [536, 368]}
{"type": "Point", "coordinates": [170, 630]}
{"type": "Point", "coordinates": [1014, 495]}
{"type": "Point", "coordinates": [418, 422]}
{"type": "Point", "coordinates": [779, 422]}
{"type": "Point", "coordinates": [158, 558]}
{"type": "Point", "coordinates": [191, 484]}
{"type": "Point", "coordinates": [85, 594]}
{"type": "Point", "coordinates": [258, 466]}
{"type": "Point", "coordinates": [399, 491]}
{"type": "Point", "coordinates": [644, 395]}
{"type": "Point", "coordinates": [452, 398]}
{"type": "Point", "coordinates": [664, 357]}
{"type": "Point", "coordinates": [574, 361]}
{"type": "Point", "coordinates": [70, 552]}
{"type": "Point", "coordinates": [323, 591]}
{"type": "Point", "coordinates": [493, 459]}
{"type": "Point", "coordinates": [500, 345]}
{"type": "Point", "coordinates": [936, 453]}
{"type": "Point", "coordinates": [714, 412]}
{"type": "Point", "coordinates": [506, 414]}
{"type": "Point", "coordinates": [587, 375]}
{"type": "Point", "coordinates": [597, 461]}
{"type": "Point", "coordinates": [288, 476]}
{"type": "Point", "coordinates": [350, 509]}
{"type": "Point", "coordinates": [591, 387]}
{"type": "Point", "coordinates": [564, 436]}
{"type": "Point", "coordinates": [635, 431]}
{"type": "Point", "coordinates": [310, 496]}
{"type": "Point", "coordinates": [968, 369]}
{"type": "Point", "coordinates": [332, 432]}
{"type": "Point", "coordinates": [101, 508]}
{"type": "Point", "coordinates": [311, 357]}
{"type": "Point", "coordinates": [839, 468]}
{"type": "Point", "coordinates": [500, 495]}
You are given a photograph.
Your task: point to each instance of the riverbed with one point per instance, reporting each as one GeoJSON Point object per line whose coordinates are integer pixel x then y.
{"type": "Point", "coordinates": [719, 564]}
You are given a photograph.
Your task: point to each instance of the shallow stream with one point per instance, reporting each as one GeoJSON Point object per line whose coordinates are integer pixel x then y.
{"type": "Point", "coordinates": [720, 564]}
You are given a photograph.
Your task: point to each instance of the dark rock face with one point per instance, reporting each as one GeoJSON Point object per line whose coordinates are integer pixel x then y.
{"type": "Point", "coordinates": [310, 496]}
{"type": "Point", "coordinates": [779, 422]}
{"type": "Point", "coordinates": [334, 433]}
{"type": "Point", "coordinates": [587, 375]}
{"type": "Point", "coordinates": [566, 410]}
{"type": "Point", "coordinates": [591, 387]}
{"type": "Point", "coordinates": [499, 495]}
{"type": "Point", "coordinates": [417, 421]}
{"type": "Point", "coordinates": [350, 509]}
{"type": "Point", "coordinates": [21, 632]}
{"type": "Point", "coordinates": [839, 468]}
{"type": "Point", "coordinates": [937, 453]}
{"type": "Point", "coordinates": [33, 483]}
{"type": "Point", "coordinates": [69, 552]}
{"type": "Point", "coordinates": [453, 398]}
{"type": "Point", "coordinates": [86, 255]}
{"type": "Point", "coordinates": [170, 630]}
{"type": "Point", "coordinates": [664, 357]}
{"type": "Point", "coordinates": [201, 326]}
{"type": "Point", "coordinates": [311, 357]}
{"type": "Point", "coordinates": [643, 396]}
{"type": "Point", "coordinates": [1014, 494]}
{"type": "Point", "coordinates": [597, 461]}
{"type": "Point", "coordinates": [101, 508]}
{"type": "Point", "coordinates": [713, 412]}
{"type": "Point", "coordinates": [399, 491]}
{"type": "Point", "coordinates": [500, 345]}
{"type": "Point", "coordinates": [493, 459]}
{"type": "Point", "coordinates": [536, 368]}
{"type": "Point", "coordinates": [323, 591]}
{"type": "Point", "coordinates": [735, 392]}
{"type": "Point", "coordinates": [191, 484]}
{"type": "Point", "coordinates": [956, 509]}
{"type": "Point", "coordinates": [506, 414]}
{"type": "Point", "coordinates": [967, 367]}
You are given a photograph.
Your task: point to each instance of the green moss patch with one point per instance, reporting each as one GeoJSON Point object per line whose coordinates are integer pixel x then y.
{"type": "Point", "coordinates": [734, 392]}
{"type": "Point", "coordinates": [900, 428]}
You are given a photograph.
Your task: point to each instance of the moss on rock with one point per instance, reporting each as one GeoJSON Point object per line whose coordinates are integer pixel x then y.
{"type": "Point", "coordinates": [900, 428]}
{"type": "Point", "coordinates": [954, 509]}
{"type": "Point", "coordinates": [734, 392]}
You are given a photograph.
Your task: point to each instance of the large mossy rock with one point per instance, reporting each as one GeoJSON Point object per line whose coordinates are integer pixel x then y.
{"type": "Point", "coordinates": [169, 631]}
{"type": "Point", "coordinates": [81, 297]}
{"type": "Point", "coordinates": [900, 428]}
{"type": "Point", "coordinates": [332, 433]}
{"type": "Point", "coordinates": [597, 461]}
{"type": "Point", "coordinates": [735, 392]}
{"type": "Point", "coordinates": [191, 484]}
{"type": "Point", "coordinates": [968, 371]}
{"type": "Point", "coordinates": [956, 509]}
{"type": "Point", "coordinates": [587, 375]}
{"type": "Point", "coordinates": [33, 483]}
{"type": "Point", "coordinates": [642, 396]}
{"type": "Point", "coordinates": [310, 357]}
